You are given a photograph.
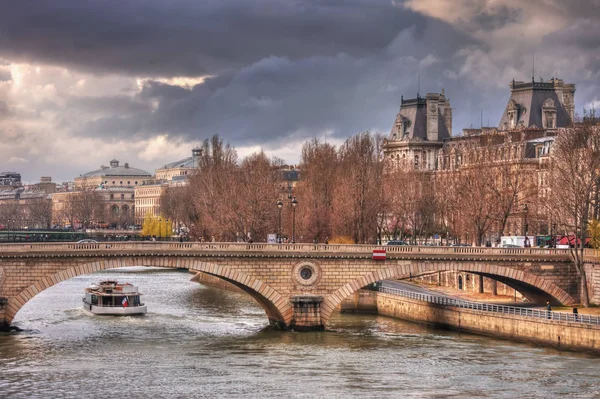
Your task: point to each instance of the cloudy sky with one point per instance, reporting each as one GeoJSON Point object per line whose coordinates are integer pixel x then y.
{"type": "Point", "coordinates": [83, 81]}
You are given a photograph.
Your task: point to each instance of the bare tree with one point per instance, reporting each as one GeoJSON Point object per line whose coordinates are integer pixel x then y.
{"type": "Point", "coordinates": [86, 207]}
{"type": "Point", "coordinates": [315, 191]}
{"type": "Point", "coordinates": [359, 198]}
{"type": "Point", "coordinates": [574, 179]}
{"type": "Point", "coordinates": [40, 212]}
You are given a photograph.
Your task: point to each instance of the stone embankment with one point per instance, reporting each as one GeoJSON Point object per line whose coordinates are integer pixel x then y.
{"type": "Point", "coordinates": [559, 334]}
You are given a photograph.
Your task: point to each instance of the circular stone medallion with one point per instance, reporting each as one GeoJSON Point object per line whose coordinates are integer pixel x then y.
{"type": "Point", "coordinates": [306, 273]}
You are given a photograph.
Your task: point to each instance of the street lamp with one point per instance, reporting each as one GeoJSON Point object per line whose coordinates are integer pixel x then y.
{"type": "Point", "coordinates": [553, 235]}
{"type": "Point", "coordinates": [525, 226]}
{"type": "Point", "coordinates": [279, 206]}
{"type": "Point", "coordinates": [294, 205]}
{"type": "Point", "coordinates": [159, 228]}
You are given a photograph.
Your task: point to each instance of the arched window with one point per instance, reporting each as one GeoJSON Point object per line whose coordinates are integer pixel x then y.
{"type": "Point", "coordinates": [114, 210]}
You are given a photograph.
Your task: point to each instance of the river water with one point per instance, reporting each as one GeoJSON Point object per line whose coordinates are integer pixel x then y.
{"type": "Point", "coordinates": [197, 341]}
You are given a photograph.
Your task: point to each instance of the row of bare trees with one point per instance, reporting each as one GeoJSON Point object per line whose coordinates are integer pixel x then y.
{"type": "Point", "coordinates": [33, 213]}
{"type": "Point", "coordinates": [84, 208]}
{"type": "Point", "coordinates": [349, 192]}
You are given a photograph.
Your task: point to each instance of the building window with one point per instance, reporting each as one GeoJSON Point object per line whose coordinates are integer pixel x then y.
{"type": "Point", "coordinates": [132, 196]}
{"type": "Point", "coordinates": [128, 183]}
{"type": "Point", "coordinates": [113, 182]}
{"type": "Point", "coordinates": [122, 196]}
{"type": "Point", "coordinates": [416, 162]}
{"type": "Point", "coordinates": [121, 182]}
{"type": "Point", "coordinates": [112, 196]}
{"type": "Point", "coordinates": [135, 182]}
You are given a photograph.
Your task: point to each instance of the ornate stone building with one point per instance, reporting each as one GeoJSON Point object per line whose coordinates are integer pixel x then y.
{"type": "Point", "coordinates": [421, 138]}
{"type": "Point", "coordinates": [114, 175]}
{"type": "Point", "coordinates": [116, 188]}
{"type": "Point", "coordinates": [419, 131]}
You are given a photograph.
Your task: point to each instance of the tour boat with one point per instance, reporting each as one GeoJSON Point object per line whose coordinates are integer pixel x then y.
{"type": "Point", "coordinates": [111, 298]}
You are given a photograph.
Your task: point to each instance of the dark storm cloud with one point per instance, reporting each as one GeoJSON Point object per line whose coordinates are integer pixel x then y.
{"type": "Point", "coordinates": [189, 37]}
{"type": "Point", "coordinates": [277, 99]}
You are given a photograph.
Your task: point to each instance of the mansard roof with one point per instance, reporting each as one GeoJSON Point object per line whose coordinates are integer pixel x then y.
{"type": "Point", "coordinates": [528, 98]}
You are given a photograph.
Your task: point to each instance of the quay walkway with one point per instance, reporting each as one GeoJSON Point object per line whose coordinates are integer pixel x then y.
{"type": "Point", "coordinates": [509, 310]}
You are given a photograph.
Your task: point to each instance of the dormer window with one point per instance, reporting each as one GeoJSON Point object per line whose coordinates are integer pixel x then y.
{"type": "Point", "coordinates": [549, 114]}
{"type": "Point", "coordinates": [513, 114]}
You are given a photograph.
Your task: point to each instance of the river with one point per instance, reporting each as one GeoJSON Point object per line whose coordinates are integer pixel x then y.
{"type": "Point", "coordinates": [198, 341]}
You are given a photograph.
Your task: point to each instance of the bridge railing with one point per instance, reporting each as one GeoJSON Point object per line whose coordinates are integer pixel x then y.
{"type": "Point", "coordinates": [509, 310]}
{"type": "Point", "coordinates": [365, 250]}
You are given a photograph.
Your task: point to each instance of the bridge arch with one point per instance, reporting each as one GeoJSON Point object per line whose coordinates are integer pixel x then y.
{"type": "Point", "coordinates": [530, 285]}
{"type": "Point", "coordinates": [277, 309]}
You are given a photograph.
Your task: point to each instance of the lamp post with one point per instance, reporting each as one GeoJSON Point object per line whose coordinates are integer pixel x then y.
{"type": "Point", "coordinates": [553, 235]}
{"type": "Point", "coordinates": [294, 205]}
{"type": "Point", "coordinates": [525, 226]}
{"type": "Point", "coordinates": [279, 207]}
{"type": "Point", "coordinates": [159, 228]}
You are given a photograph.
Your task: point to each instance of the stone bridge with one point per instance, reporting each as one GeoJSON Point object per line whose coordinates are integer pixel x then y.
{"type": "Point", "coordinates": [298, 285]}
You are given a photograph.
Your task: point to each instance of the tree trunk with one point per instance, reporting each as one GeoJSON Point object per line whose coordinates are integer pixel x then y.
{"type": "Point", "coordinates": [585, 299]}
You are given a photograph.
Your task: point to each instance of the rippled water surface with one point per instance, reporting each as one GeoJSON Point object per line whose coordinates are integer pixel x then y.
{"type": "Point", "coordinates": [204, 342]}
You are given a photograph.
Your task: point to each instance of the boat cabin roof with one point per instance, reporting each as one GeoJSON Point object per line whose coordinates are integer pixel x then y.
{"type": "Point", "coordinates": [112, 287]}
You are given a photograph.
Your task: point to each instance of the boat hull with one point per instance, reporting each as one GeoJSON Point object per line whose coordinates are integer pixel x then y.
{"type": "Point", "coordinates": [114, 311]}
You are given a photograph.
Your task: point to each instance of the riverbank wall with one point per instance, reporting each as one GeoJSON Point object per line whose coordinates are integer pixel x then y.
{"type": "Point", "coordinates": [557, 334]}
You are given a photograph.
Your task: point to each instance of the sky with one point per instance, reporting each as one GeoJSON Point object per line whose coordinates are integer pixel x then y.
{"type": "Point", "coordinates": [144, 81]}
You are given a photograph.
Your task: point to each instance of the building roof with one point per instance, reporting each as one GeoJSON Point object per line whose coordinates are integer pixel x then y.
{"type": "Point", "coordinates": [116, 170]}
{"type": "Point", "coordinates": [412, 118]}
{"type": "Point", "coordinates": [188, 162]}
{"type": "Point", "coordinates": [528, 99]}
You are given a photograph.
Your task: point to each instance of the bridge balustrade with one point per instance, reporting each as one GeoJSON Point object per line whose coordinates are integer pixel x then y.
{"type": "Point", "coordinates": [262, 247]}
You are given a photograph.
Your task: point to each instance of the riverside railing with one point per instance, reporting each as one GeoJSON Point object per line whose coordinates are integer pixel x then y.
{"type": "Point", "coordinates": [485, 307]}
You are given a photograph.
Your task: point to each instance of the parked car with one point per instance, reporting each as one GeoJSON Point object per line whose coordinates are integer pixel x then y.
{"type": "Point", "coordinates": [396, 242]}
{"type": "Point", "coordinates": [510, 246]}
{"type": "Point", "coordinates": [87, 241]}
{"type": "Point", "coordinates": [460, 245]}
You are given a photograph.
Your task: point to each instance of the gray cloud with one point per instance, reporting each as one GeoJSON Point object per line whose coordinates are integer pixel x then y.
{"type": "Point", "coordinates": [192, 38]}
{"type": "Point", "coordinates": [5, 76]}
{"type": "Point", "coordinates": [280, 71]}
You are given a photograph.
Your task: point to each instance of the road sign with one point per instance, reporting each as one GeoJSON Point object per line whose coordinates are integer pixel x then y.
{"type": "Point", "coordinates": [379, 254]}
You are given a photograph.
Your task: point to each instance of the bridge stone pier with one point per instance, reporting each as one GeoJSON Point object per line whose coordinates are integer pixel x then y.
{"type": "Point", "coordinates": [298, 285]}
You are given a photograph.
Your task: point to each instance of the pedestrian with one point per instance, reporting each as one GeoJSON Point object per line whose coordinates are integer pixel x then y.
{"type": "Point", "coordinates": [212, 239]}
{"type": "Point", "coordinates": [548, 309]}
{"type": "Point", "coordinates": [576, 314]}
{"type": "Point", "coordinates": [326, 240]}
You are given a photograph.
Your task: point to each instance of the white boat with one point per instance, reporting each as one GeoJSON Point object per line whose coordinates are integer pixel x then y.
{"type": "Point", "coordinates": [111, 298]}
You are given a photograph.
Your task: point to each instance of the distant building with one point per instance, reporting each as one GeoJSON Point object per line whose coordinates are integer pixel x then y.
{"type": "Point", "coordinates": [114, 175]}
{"type": "Point", "coordinates": [180, 169]}
{"type": "Point", "coordinates": [147, 200]}
{"type": "Point", "coordinates": [45, 185]}
{"type": "Point", "coordinates": [9, 180]}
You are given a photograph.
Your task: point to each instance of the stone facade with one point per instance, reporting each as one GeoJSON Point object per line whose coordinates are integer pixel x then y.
{"type": "Point", "coordinates": [275, 274]}
{"type": "Point", "coordinates": [147, 201]}
{"type": "Point", "coordinates": [421, 126]}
